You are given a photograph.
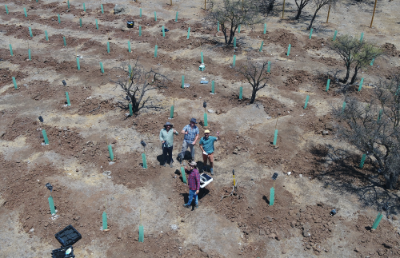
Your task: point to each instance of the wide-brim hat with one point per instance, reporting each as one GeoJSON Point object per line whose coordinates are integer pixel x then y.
{"type": "Point", "coordinates": [194, 164]}
{"type": "Point", "coordinates": [207, 131]}
{"type": "Point", "coordinates": [193, 120]}
{"type": "Point", "coordinates": [168, 123]}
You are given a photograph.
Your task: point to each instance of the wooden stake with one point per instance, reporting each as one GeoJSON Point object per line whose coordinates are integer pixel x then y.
{"type": "Point", "coordinates": [373, 14]}
{"type": "Point", "coordinates": [283, 9]}
{"type": "Point", "coordinates": [327, 18]}
{"type": "Point", "coordinates": [171, 2]}
{"type": "Point", "coordinates": [205, 5]}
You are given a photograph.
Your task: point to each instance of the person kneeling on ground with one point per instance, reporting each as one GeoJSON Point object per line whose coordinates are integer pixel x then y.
{"type": "Point", "coordinates": [207, 146]}
{"type": "Point", "coordinates": [194, 184]}
{"type": "Point", "coordinates": [167, 140]}
{"type": "Point", "coordinates": [191, 132]}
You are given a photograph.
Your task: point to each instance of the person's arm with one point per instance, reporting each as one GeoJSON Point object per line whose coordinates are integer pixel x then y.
{"type": "Point", "coordinates": [218, 138]}
{"type": "Point", "coordinates": [175, 132]}
{"type": "Point", "coordinates": [184, 130]}
{"type": "Point", "coordinates": [197, 182]}
{"type": "Point", "coordinates": [197, 136]}
{"type": "Point", "coordinates": [201, 146]}
{"type": "Point", "coordinates": [161, 137]}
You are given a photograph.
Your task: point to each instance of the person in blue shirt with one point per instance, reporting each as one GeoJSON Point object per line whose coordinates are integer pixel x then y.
{"type": "Point", "coordinates": [191, 132]}
{"type": "Point", "coordinates": [207, 146]}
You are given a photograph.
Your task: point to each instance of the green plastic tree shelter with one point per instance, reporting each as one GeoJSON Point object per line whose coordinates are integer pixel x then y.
{"type": "Point", "coordinates": [11, 52]}
{"type": "Point", "coordinates": [108, 47]}
{"type": "Point", "coordinates": [144, 160]}
{"type": "Point", "coordinates": [140, 30]}
{"type": "Point", "coordinates": [305, 104]}
{"type": "Point", "coordinates": [205, 119]}
{"type": "Point", "coordinates": [47, 37]}
{"type": "Point", "coordinates": [51, 204]}
{"type": "Point", "coordinates": [176, 17]}
{"type": "Point", "coordinates": [84, 7]}
{"type": "Point", "coordinates": [163, 31]}
{"type": "Point", "coordinates": [46, 140]}
{"type": "Point", "coordinates": [334, 35]}
{"type": "Point", "coordinates": [30, 32]}
{"type": "Point", "coordinates": [130, 109]}
{"type": "Point", "coordinates": [271, 196]}
{"type": "Point", "coordinates": [212, 87]}
{"type": "Point", "coordinates": [111, 152]}
{"type": "Point", "coordinates": [363, 158]}
{"type": "Point", "coordinates": [141, 234]}
{"type": "Point", "coordinates": [171, 113]}
{"type": "Point", "coordinates": [6, 9]}
{"type": "Point", "coordinates": [288, 50]}
{"type": "Point", "coordinates": [241, 93]}
{"type": "Point", "coordinates": [65, 42]}
{"type": "Point", "coordinates": [234, 60]}
{"type": "Point", "coordinates": [102, 9]}
{"type": "Point", "coordinates": [104, 217]}
{"type": "Point", "coordinates": [275, 137]}
{"type": "Point", "coordinates": [15, 83]}
{"type": "Point", "coordinates": [377, 220]}
{"type": "Point", "coordinates": [101, 67]}
{"type": "Point", "coordinates": [188, 35]}
{"type": "Point", "coordinates": [183, 81]}
{"type": "Point", "coordinates": [265, 28]}
{"type": "Point", "coordinates": [67, 96]}
{"type": "Point", "coordinates": [26, 15]}
{"type": "Point", "coordinates": [155, 51]}
{"type": "Point", "coordinates": [327, 84]}
{"type": "Point", "coordinates": [97, 25]}
{"type": "Point", "coordinates": [155, 16]}
{"type": "Point", "coordinates": [29, 54]}
{"type": "Point", "coordinates": [183, 175]}
{"type": "Point", "coordinates": [361, 84]}
{"type": "Point", "coordinates": [310, 33]}
{"type": "Point", "coordinates": [77, 63]}
{"type": "Point", "coordinates": [262, 43]}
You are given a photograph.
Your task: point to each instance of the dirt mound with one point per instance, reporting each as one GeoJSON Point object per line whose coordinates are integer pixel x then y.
{"type": "Point", "coordinates": [390, 49]}
{"type": "Point", "coordinates": [298, 78]}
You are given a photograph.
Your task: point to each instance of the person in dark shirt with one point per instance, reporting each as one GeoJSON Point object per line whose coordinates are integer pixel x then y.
{"type": "Point", "coordinates": [194, 184]}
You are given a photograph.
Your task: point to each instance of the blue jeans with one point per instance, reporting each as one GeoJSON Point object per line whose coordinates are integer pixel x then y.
{"type": "Point", "coordinates": [192, 194]}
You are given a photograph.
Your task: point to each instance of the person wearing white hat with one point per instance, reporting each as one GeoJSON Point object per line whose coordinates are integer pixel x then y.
{"type": "Point", "coordinates": [167, 140]}
{"type": "Point", "coordinates": [207, 147]}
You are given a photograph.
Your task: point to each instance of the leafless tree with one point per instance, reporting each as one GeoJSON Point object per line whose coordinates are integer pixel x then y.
{"type": "Point", "coordinates": [373, 128]}
{"type": "Point", "coordinates": [256, 74]}
{"type": "Point", "coordinates": [354, 53]}
{"type": "Point", "coordinates": [232, 13]}
{"type": "Point", "coordinates": [300, 6]}
{"type": "Point", "coordinates": [318, 5]}
{"type": "Point", "coordinates": [136, 83]}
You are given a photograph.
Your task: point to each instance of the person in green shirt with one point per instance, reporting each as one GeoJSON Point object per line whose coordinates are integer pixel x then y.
{"type": "Point", "coordinates": [207, 147]}
{"type": "Point", "coordinates": [167, 140]}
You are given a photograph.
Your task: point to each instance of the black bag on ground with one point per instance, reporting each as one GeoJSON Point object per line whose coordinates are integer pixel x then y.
{"type": "Point", "coordinates": [68, 236]}
{"type": "Point", "coordinates": [62, 253]}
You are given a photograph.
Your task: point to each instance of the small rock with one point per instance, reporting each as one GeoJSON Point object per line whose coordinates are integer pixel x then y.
{"type": "Point", "coordinates": [119, 236]}
{"type": "Point", "coordinates": [272, 236]}
{"type": "Point", "coordinates": [394, 217]}
{"type": "Point", "coordinates": [325, 132]}
{"type": "Point", "coordinates": [119, 9]}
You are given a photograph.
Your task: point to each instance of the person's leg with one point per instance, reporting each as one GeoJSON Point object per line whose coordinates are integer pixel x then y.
{"type": "Point", "coordinates": [164, 149]}
{"type": "Point", "coordinates": [211, 158]}
{"type": "Point", "coordinates": [191, 195]}
{"type": "Point", "coordinates": [191, 146]}
{"type": "Point", "coordinates": [184, 148]}
{"type": "Point", "coordinates": [170, 154]}
{"type": "Point", "coordinates": [196, 200]}
{"type": "Point", "coordinates": [205, 157]}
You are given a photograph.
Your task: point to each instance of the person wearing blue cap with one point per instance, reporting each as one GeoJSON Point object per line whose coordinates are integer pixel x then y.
{"type": "Point", "coordinates": [191, 132]}
{"type": "Point", "coordinates": [167, 140]}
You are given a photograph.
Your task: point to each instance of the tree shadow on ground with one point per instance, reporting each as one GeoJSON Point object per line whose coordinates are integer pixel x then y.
{"type": "Point", "coordinates": [339, 170]}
